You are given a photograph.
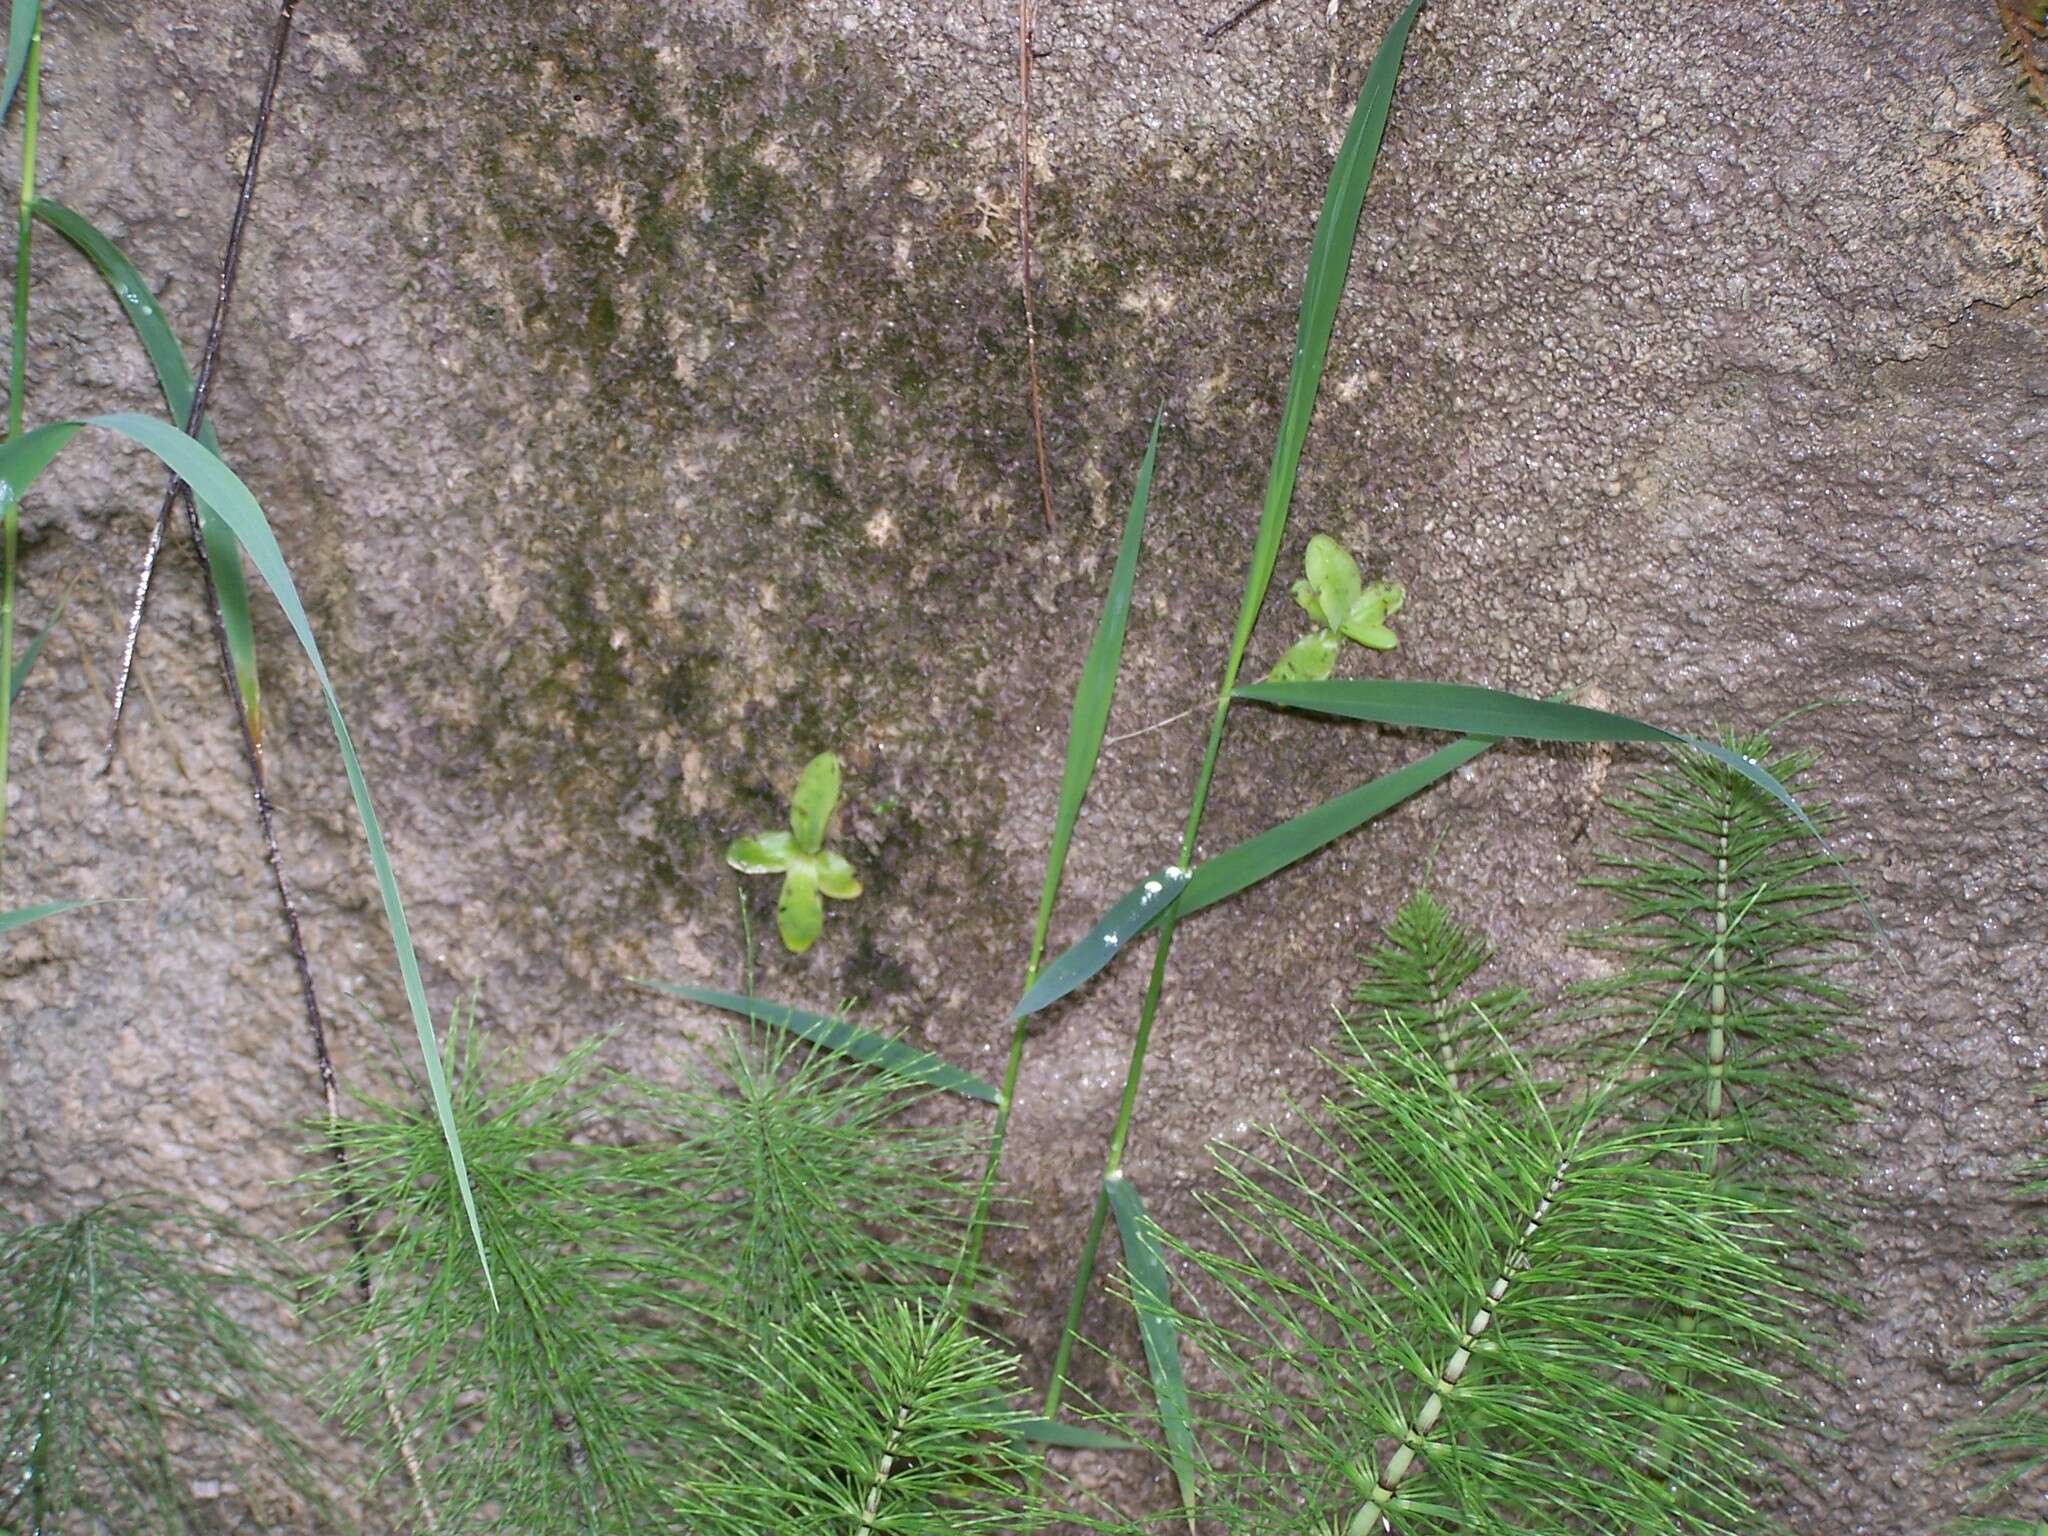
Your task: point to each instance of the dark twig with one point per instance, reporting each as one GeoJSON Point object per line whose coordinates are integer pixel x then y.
{"type": "Point", "coordinates": [231, 261]}
{"type": "Point", "coordinates": [1024, 248]}
{"type": "Point", "coordinates": [1235, 19]}
{"type": "Point", "coordinates": [176, 492]}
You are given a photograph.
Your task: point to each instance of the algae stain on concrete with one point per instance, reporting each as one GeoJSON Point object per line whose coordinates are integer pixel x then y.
{"type": "Point", "coordinates": [760, 334]}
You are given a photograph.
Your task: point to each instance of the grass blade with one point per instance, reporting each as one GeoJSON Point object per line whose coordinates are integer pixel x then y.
{"type": "Point", "coordinates": [1252, 860]}
{"type": "Point", "coordinates": [1128, 918]}
{"type": "Point", "coordinates": [1235, 869]}
{"type": "Point", "coordinates": [21, 26]}
{"type": "Point", "coordinates": [25, 458]}
{"type": "Point", "coordinates": [1492, 712]}
{"type": "Point", "coordinates": [1159, 1329]}
{"type": "Point", "coordinates": [29, 655]}
{"type": "Point", "coordinates": [1067, 1436]}
{"type": "Point", "coordinates": [1328, 262]}
{"type": "Point", "coordinates": [835, 1034]}
{"type": "Point", "coordinates": [1092, 695]}
{"type": "Point", "coordinates": [174, 378]}
{"type": "Point", "coordinates": [21, 917]}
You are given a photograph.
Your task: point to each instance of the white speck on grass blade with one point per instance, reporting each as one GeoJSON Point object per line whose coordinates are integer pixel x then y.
{"type": "Point", "coordinates": [1112, 933]}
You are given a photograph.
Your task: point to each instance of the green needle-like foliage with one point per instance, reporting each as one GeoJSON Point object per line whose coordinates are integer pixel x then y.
{"type": "Point", "coordinates": [127, 1375]}
{"type": "Point", "coordinates": [657, 1252]}
{"type": "Point", "coordinates": [889, 1420]}
{"type": "Point", "coordinates": [799, 1180]}
{"type": "Point", "coordinates": [1440, 1306]}
{"type": "Point", "coordinates": [1418, 976]}
{"type": "Point", "coordinates": [548, 1411]}
{"type": "Point", "coordinates": [1729, 954]}
{"type": "Point", "coordinates": [2005, 1448]}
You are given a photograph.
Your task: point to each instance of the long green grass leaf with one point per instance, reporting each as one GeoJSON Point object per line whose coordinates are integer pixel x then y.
{"type": "Point", "coordinates": [1126, 920]}
{"type": "Point", "coordinates": [21, 917]}
{"type": "Point", "coordinates": [1329, 260]}
{"type": "Point", "coordinates": [30, 653]}
{"type": "Point", "coordinates": [27, 456]}
{"type": "Point", "coordinates": [1092, 695]}
{"type": "Point", "coordinates": [1252, 860]}
{"type": "Point", "coordinates": [834, 1034]}
{"type": "Point", "coordinates": [1071, 1437]}
{"type": "Point", "coordinates": [21, 26]}
{"type": "Point", "coordinates": [1159, 1329]}
{"type": "Point", "coordinates": [174, 378]}
{"type": "Point", "coordinates": [1492, 712]}
{"type": "Point", "coordinates": [1244, 865]}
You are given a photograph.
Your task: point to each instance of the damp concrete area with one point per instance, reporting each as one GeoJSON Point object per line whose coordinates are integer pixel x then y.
{"type": "Point", "coordinates": [639, 394]}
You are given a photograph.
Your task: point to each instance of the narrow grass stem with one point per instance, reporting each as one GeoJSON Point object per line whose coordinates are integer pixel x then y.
{"type": "Point", "coordinates": [202, 381]}
{"type": "Point", "coordinates": [17, 374]}
{"type": "Point", "coordinates": [1134, 1072]}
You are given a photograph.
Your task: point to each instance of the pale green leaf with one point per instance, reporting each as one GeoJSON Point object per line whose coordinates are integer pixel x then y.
{"type": "Point", "coordinates": [1310, 604]}
{"type": "Point", "coordinates": [835, 876]}
{"type": "Point", "coordinates": [1334, 576]}
{"type": "Point", "coordinates": [810, 808]}
{"type": "Point", "coordinates": [799, 912]}
{"type": "Point", "coordinates": [1309, 659]}
{"type": "Point", "coordinates": [768, 854]}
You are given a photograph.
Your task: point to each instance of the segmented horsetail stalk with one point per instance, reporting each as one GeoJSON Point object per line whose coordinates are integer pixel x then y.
{"type": "Point", "coordinates": [1746, 1020]}
{"type": "Point", "coordinates": [1440, 1303]}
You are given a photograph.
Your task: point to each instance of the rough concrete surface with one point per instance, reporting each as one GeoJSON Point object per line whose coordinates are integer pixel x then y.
{"type": "Point", "coordinates": [637, 390]}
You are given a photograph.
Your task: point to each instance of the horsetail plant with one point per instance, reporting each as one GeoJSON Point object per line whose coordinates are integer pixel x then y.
{"type": "Point", "coordinates": [2001, 1453]}
{"type": "Point", "coordinates": [130, 1380]}
{"type": "Point", "coordinates": [662, 1253]}
{"type": "Point", "coordinates": [1435, 1303]}
{"type": "Point", "coordinates": [1747, 1019]}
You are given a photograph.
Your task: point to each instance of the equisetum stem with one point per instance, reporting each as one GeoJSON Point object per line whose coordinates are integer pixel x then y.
{"type": "Point", "coordinates": [1716, 1106]}
{"type": "Point", "coordinates": [1717, 993]}
{"type": "Point", "coordinates": [17, 375]}
{"type": "Point", "coordinates": [871, 1506]}
{"type": "Point", "coordinates": [1407, 1456]}
{"type": "Point", "coordinates": [1442, 1011]}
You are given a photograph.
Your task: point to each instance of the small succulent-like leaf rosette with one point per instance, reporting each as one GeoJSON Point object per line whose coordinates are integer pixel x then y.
{"type": "Point", "coordinates": [1337, 599]}
{"type": "Point", "coordinates": [810, 871]}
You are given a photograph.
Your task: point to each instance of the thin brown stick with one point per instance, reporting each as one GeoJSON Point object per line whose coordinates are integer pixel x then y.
{"type": "Point", "coordinates": [202, 383]}
{"type": "Point", "coordinates": [177, 493]}
{"type": "Point", "coordinates": [1024, 250]}
{"type": "Point", "coordinates": [1235, 19]}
